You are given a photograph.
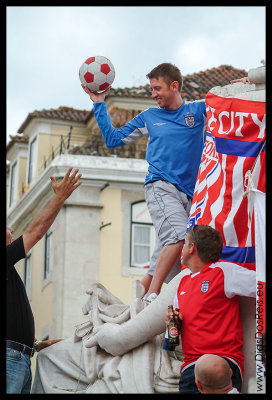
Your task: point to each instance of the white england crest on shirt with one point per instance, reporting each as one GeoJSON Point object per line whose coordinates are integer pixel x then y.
{"type": "Point", "coordinates": [189, 119]}
{"type": "Point", "coordinates": [205, 286]}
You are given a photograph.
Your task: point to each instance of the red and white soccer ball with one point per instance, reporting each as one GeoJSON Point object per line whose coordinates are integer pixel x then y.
{"type": "Point", "coordinates": [97, 73]}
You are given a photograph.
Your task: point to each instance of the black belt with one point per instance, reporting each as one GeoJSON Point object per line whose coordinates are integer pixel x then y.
{"type": "Point", "coordinates": [20, 347]}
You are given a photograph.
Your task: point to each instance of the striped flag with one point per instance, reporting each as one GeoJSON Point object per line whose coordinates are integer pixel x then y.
{"type": "Point", "coordinates": [230, 190]}
{"type": "Point", "coordinates": [235, 140]}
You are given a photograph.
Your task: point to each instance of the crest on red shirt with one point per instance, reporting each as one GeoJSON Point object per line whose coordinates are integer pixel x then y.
{"type": "Point", "coordinates": [205, 286]}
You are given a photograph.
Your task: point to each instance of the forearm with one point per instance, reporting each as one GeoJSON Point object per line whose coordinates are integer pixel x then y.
{"type": "Point", "coordinates": [128, 133]}
{"type": "Point", "coordinates": [40, 225]}
{"type": "Point", "coordinates": [110, 135]}
{"type": "Point", "coordinates": [37, 229]}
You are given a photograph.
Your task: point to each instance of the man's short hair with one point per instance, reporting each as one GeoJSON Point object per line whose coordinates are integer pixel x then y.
{"type": "Point", "coordinates": [213, 372]}
{"type": "Point", "coordinates": [208, 242]}
{"type": "Point", "coordinates": [169, 72]}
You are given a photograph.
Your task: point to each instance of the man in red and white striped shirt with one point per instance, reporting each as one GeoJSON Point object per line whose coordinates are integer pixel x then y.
{"type": "Point", "coordinates": [208, 300]}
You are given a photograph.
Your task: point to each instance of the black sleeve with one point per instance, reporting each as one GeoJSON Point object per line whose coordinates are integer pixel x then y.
{"type": "Point", "coordinates": [15, 252]}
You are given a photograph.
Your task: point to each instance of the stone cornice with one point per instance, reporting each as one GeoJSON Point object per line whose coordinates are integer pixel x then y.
{"type": "Point", "coordinates": [96, 172]}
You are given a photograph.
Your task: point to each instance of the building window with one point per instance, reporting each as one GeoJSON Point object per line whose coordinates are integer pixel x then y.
{"type": "Point", "coordinates": [31, 159]}
{"type": "Point", "coordinates": [47, 253]}
{"type": "Point", "coordinates": [142, 235]}
{"type": "Point", "coordinates": [12, 187]}
{"type": "Point", "coordinates": [28, 274]}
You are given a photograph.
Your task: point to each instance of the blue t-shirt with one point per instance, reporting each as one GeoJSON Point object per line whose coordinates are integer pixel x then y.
{"type": "Point", "coordinates": [176, 140]}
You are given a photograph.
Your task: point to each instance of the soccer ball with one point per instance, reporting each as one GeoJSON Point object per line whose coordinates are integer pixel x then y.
{"type": "Point", "coordinates": [97, 73]}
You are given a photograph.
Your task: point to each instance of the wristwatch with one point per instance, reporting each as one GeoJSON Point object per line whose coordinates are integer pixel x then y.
{"type": "Point", "coordinates": [36, 344]}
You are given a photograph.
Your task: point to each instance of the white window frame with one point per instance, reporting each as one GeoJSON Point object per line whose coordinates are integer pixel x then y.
{"type": "Point", "coordinates": [13, 183]}
{"type": "Point", "coordinates": [32, 155]}
{"type": "Point", "coordinates": [142, 219]}
{"type": "Point", "coordinates": [28, 274]}
{"type": "Point", "coordinates": [48, 256]}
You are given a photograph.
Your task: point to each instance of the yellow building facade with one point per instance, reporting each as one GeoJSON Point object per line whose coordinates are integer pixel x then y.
{"type": "Point", "coordinates": [90, 239]}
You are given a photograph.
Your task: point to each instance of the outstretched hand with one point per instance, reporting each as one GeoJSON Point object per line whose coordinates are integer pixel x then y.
{"type": "Point", "coordinates": [96, 97]}
{"type": "Point", "coordinates": [67, 185]}
{"type": "Point", "coordinates": [245, 79]}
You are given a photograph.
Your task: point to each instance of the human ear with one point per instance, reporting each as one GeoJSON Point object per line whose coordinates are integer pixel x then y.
{"type": "Point", "coordinates": [174, 85]}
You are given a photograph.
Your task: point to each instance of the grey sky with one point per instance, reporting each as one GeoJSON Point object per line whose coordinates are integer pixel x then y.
{"type": "Point", "coordinates": [47, 45]}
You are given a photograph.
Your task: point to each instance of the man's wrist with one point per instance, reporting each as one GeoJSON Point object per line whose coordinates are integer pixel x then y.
{"type": "Point", "coordinates": [59, 199]}
{"type": "Point", "coordinates": [35, 344]}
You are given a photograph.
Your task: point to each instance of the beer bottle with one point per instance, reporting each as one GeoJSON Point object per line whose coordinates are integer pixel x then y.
{"type": "Point", "coordinates": [173, 328]}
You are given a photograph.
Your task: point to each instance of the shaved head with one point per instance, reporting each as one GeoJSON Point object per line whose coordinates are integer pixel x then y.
{"type": "Point", "coordinates": [213, 372]}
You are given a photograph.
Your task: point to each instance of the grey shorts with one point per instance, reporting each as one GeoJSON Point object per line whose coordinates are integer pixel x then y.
{"type": "Point", "coordinates": [169, 209]}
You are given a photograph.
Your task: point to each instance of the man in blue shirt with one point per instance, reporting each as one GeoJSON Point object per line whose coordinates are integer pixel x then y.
{"type": "Point", "coordinates": [176, 132]}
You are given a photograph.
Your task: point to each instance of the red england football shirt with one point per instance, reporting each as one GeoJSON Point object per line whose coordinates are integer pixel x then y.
{"type": "Point", "coordinates": [209, 303]}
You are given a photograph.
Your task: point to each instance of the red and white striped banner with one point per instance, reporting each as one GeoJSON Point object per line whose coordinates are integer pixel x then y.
{"type": "Point", "coordinates": [235, 138]}
{"type": "Point", "coordinates": [230, 189]}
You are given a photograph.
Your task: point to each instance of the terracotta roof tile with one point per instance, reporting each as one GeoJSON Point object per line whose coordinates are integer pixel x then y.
{"type": "Point", "coordinates": [64, 113]}
{"type": "Point", "coordinates": [16, 139]}
{"type": "Point", "coordinates": [195, 86]}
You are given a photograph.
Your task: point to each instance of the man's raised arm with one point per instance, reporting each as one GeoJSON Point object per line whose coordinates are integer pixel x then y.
{"type": "Point", "coordinates": [40, 225]}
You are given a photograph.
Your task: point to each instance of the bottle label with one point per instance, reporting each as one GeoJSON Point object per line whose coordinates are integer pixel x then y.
{"type": "Point", "coordinates": [173, 332]}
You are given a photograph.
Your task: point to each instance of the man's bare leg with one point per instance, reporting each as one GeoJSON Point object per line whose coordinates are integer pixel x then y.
{"type": "Point", "coordinates": [166, 261]}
